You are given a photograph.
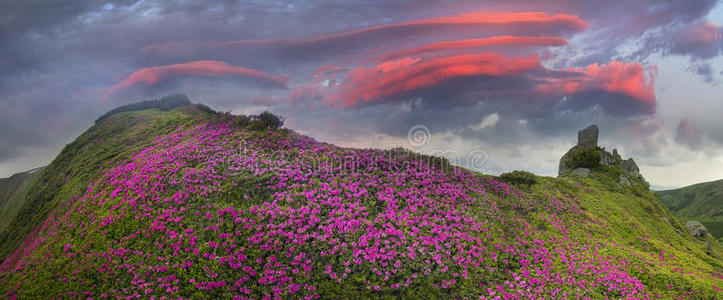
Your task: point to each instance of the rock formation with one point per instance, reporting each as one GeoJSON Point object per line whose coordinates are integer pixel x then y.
{"type": "Point", "coordinates": [697, 229]}
{"type": "Point", "coordinates": [581, 172]}
{"type": "Point", "coordinates": [588, 139]}
{"type": "Point", "coordinates": [588, 136]}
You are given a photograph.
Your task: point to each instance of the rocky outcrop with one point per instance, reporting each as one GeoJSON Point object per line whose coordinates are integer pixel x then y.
{"type": "Point", "coordinates": [697, 229]}
{"type": "Point", "coordinates": [581, 172]}
{"type": "Point", "coordinates": [588, 139]}
{"type": "Point", "coordinates": [630, 167]}
{"type": "Point", "coordinates": [588, 136]}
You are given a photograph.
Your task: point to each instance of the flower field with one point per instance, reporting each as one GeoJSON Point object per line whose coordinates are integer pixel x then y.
{"type": "Point", "coordinates": [212, 211]}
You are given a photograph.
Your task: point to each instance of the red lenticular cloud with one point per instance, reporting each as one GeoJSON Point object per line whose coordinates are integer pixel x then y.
{"type": "Point", "coordinates": [476, 18]}
{"type": "Point", "coordinates": [325, 71]}
{"type": "Point", "coordinates": [203, 68]}
{"type": "Point", "coordinates": [532, 20]}
{"type": "Point", "coordinates": [477, 43]}
{"type": "Point", "coordinates": [392, 79]}
{"type": "Point", "coordinates": [628, 88]}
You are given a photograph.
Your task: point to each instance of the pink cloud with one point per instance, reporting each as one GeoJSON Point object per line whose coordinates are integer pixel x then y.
{"type": "Point", "coordinates": [476, 43]}
{"type": "Point", "coordinates": [700, 40]}
{"type": "Point", "coordinates": [627, 79]}
{"type": "Point", "coordinates": [202, 68]}
{"type": "Point", "coordinates": [704, 33]}
{"type": "Point", "coordinates": [537, 21]}
{"type": "Point", "coordinates": [619, 88]}
{"type": "Point", "coordinates": [393, 79]}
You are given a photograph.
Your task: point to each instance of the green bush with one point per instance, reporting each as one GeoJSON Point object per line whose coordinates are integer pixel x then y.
{"type": "Point", "coordinates": [518, 177]}
{"type": "Point", "coordinates": [241, 121]}
{"type": "Point", "coordinates": [271, 121]}
{"type": "Point", "coordinates": [613, 171]}
{"type": "Point", "coordinates": [586, 158]}
{"type": "Point", "coordinates": [266, 120]}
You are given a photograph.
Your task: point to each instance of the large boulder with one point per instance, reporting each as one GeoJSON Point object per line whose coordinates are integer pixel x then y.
{"type": "Point", "coordinates": [588, 136]}
{"type": "Point", "coordinates": [697, 229]}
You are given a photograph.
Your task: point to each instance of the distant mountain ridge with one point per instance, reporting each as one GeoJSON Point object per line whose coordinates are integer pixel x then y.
{"type": "Point", "coordinates": [702, 200]}
{"type": "Point", "coordinates": [13, 191]}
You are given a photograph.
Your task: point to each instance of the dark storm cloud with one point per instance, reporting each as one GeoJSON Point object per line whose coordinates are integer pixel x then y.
{"type": "Point", "coordinates": [58, 58]}
{"type": "Point", "coordinates": [699, 40]}
{"type": "Point", "coordinates": [23, 16]}
{"type": "Point", "coordinates": [704, 70]}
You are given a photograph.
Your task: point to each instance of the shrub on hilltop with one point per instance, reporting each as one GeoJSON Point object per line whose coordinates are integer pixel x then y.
{"type": "Point", "coordinates": [266, 120]}
{"type": "Point", "coordinates": [518, 177]}
{"type": "Point", "coordinates": [262, 121]}
{"type": "Point", "coordinates": [586, 158]}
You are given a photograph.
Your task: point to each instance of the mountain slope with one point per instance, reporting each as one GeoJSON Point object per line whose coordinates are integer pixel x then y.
{"type": "Point", "coordinates": [703, 200]}
{"type": "Point", "coordinates": [186, 203]}
{"type": "Point", "coordinates": [83, 160]}
{"type": "Point", "coordinates": [12, 193]}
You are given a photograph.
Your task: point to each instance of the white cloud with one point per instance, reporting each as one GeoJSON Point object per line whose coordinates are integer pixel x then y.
{"type": "Point", "coordinates": [487, 121]}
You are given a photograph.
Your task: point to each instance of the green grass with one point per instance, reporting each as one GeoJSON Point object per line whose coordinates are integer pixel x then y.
{"type": "Point", "coordinates": [636, 219]}
{"type": "Point", "coordinates": [105, 143]}
{"type": "Point", "coordinates": [703, 200]}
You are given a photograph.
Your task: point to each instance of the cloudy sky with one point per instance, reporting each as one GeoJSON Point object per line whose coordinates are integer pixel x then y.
{"type": "Point", "coordinates": [506, 84]}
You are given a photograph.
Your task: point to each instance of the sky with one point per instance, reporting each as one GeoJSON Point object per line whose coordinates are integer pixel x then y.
{"type": "Point", "coordinates": [493, 85]}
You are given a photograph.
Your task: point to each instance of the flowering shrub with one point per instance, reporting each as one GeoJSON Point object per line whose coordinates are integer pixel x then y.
{"type": "Point", "coordinates": [207, 211]}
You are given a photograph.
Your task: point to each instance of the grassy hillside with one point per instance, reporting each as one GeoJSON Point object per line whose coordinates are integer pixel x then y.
{"type": "Point", "coordinates": [83, 160]}
{"type": "Point", "coordinates": [12, 193]}
{"type": "Point", "coordinates": [185, 203]}
{"type": "Point", "coordinates": [703, 200]}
